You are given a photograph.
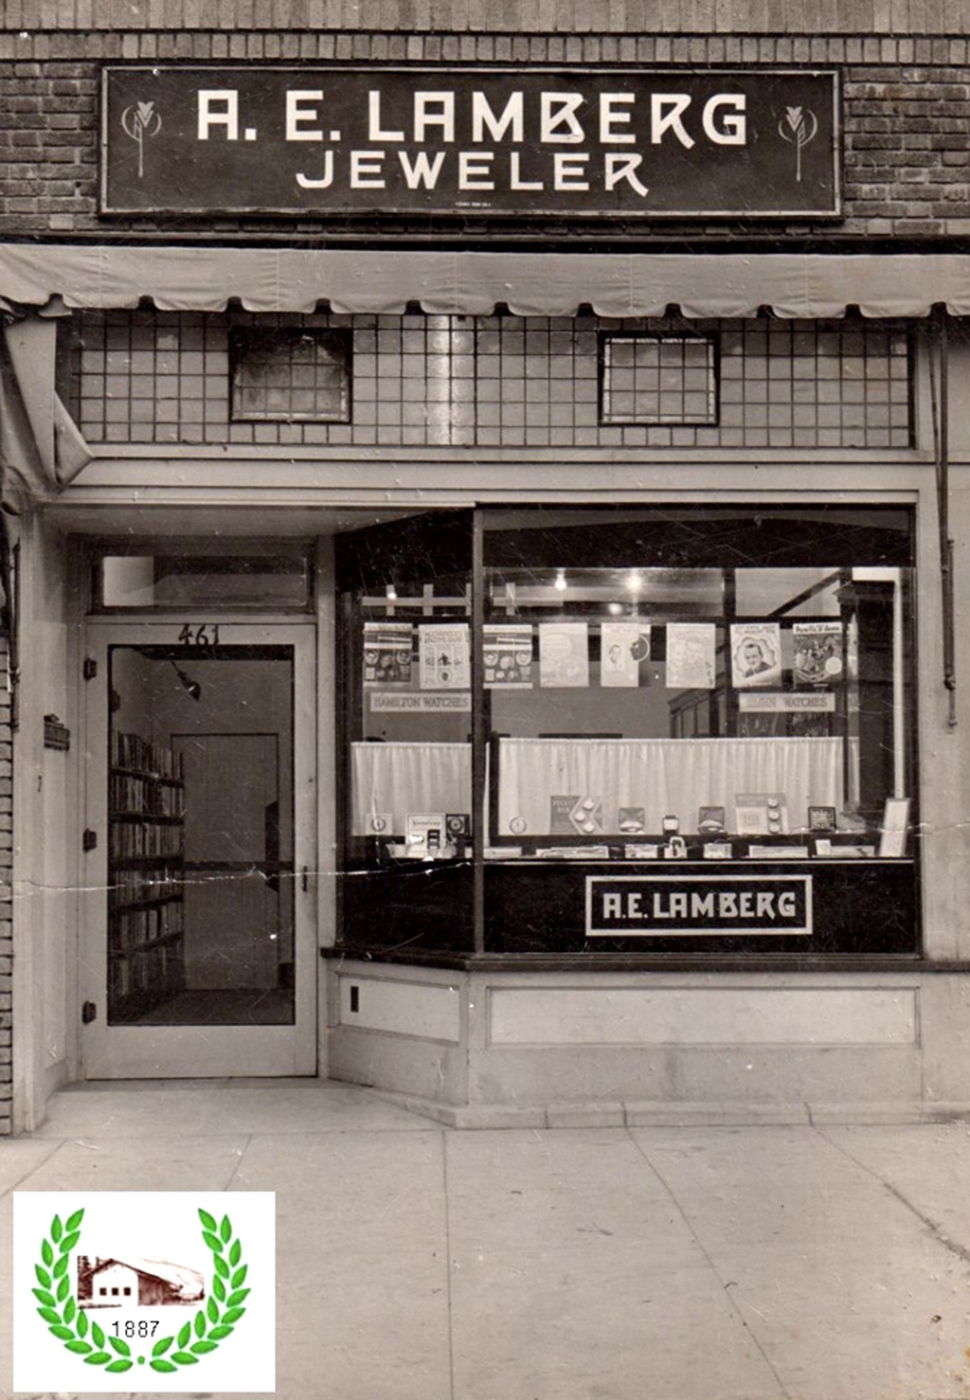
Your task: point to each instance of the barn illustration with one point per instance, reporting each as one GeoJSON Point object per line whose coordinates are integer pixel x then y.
{"type": "Point", "coordinates": [117, 1283]}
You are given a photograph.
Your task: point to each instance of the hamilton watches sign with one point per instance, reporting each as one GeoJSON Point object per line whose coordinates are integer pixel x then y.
{"type": "Point", "coordinates": [469, 142]}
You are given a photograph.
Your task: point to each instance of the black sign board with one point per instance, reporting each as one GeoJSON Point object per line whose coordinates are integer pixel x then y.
{"type": "Point", "coordinates": [470, 142]}
{"type": "Point", "coordinates": [665, 906]}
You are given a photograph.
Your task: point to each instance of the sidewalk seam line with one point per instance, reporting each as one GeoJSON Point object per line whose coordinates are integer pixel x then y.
{"type": "Point", "coordinates": [933, 1227]}
{"type": "Point", "coordinates": [235, 1171]}
{"type": "Point", "coordinates": [448, 1266]}
{"type": "Point", "coordinates": [711, 1265]}
{"type": "Point", "coordinates": [58, 1144]}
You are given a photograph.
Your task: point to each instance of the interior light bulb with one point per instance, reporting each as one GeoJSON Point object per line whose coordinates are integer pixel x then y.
{"type": "Point", "coordinates": [560, 584]}
{"type": "Point", "coordinates": [391, 593]}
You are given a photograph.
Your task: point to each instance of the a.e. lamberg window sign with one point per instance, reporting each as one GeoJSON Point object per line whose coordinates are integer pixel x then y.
{"type": "Point", "coordinates": [466, 142]}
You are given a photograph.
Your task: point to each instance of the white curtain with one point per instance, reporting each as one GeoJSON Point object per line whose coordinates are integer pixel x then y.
{"type": "Point", "coordinates": [664, 776]}
{"type": "Point", "coordinates": [395, 779]}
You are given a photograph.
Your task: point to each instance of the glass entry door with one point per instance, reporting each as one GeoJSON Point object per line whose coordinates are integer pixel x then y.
{"type": "Point", "coordinates": [199, 832]}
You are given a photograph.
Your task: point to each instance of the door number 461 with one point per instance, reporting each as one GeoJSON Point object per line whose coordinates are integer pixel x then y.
{"type": "Point", "coordinates": [205, 634]}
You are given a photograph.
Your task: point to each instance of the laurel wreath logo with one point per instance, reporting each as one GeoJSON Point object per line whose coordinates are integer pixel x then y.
{"type": "Point", "coordinates": [82, 1335]}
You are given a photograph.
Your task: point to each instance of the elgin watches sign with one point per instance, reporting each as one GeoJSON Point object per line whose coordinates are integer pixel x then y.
{"type": "Point", "coordinates": [667, 906]}
{"type": "Point", "coordinates": [470, 142]}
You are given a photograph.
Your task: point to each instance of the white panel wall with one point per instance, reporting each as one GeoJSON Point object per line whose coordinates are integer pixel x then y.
{"type": "Point", "coordinates": [401, 1008]}
{"type": "Point", "coordinates": [702, 1016]}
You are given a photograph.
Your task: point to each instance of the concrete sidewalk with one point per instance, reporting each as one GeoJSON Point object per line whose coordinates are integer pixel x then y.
{"type": "Point", "coordinates": [723, 1263]}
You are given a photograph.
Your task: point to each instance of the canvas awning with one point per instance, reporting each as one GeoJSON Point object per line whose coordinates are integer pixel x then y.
{"type": "Point", "coordinates": [198, 278]}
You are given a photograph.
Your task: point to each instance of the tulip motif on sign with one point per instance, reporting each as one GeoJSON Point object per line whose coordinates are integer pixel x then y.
{"type": "Point", "coordinates": [138, 122]}
{"type": "Point", "coordinates": [798, 127]}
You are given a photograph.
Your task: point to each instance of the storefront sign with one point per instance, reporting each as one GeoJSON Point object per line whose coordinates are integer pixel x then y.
{"type": "Point", "coordinates": [469, 141]}
{"type": "Point", "coordinates": [666, 906]}
{"type": "Point", "coordinates": [788, 703]}
{"type": "Point", "coordinates": [418, 702]}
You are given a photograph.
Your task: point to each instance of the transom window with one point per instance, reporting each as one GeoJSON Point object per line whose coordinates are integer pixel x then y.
{"type": "Point", "coordinates": [290, 374]}
{"type": "Point", "coordinates": [657, 379]}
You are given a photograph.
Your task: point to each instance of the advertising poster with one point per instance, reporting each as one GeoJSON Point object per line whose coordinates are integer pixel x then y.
{"type": "Point", "coordinates": [563, 654]}
{"type": "Point", "coordinates": [444, 659]}
{"type": "Point", "coordinates": [818, 653]}
{"type": "Point", "coordinates": [624, 647]}
{"type": "Point", "coordinates": [691, 655]}
{"type": "Point", "coordinates": [508, 656]}
{"type": "Point", "coordinates": [755, 655]}
{"type": "Point", "coordinates": [387, 654]}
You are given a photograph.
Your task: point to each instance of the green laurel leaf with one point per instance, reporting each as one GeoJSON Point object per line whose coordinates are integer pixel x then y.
{"type": "Point", "coordinates": [225, 1230]}
{"type": "Point", "coordinates": [63, 1289]}
{"type": "Point", "coordinates": [184, 1358]}
{"type": "Point", "coordinates": [212, 1308]}
{"type": "Point", "coordinates": [65, 1333]}
{"type": "Point", "coordinates": [46, 1253]}
{"type": "Point", "coordinates": [44, 1297]}
{"type": "Point", "coordinates": [239, 1276]}
{"type": "Point", "coordinates": [222, 1268]}
{"type": "Point", "coordinates": [57, 1229]}
{"type": "Point", "coordinates": [49, 1315]}
{"type": "Point", "coordinates": [233, 1315]}
{"type": "Point", "coordinates": [69, 1241]}
{"type": "Point", "coordinates": [79, 1346]}
{"type": "Point", "coordinates": [161, 1347]}
{"type": "Point", "coordinates": [199, 1325]}
{"type": "Point", "coordinates": [204, 1346]}
{"type": "Point", "coordinates": [44, 1278]}
{"type": "Point", "coordinates": [157, 1364]}
{"type": "Point", "coordinates": [120, 1366]}
{"type": "Point", "coordinates": [97, 1336]}
{"type": "Point", "coordinates": [235, 1253]}
{"type": "Point", "coordinates": [74, 1221]}
{"type": "Point", "coordinates": [208, 1221]}
{"type": "Point", "coordinates": [218, 1289]}
{"type": "Point", "coordinates": [82, 1324]}
{"type": "Point", "coordinates": [70, 1308]}
{"type": "Point", "coordinates": [60, 1267]}
{"type": "Point", "coordinates": [185, 1334]}
{"type": "Point", "coordinates": [213, 1241]}
{"type": "Point", "coordinates": [97, 1358]}
{"type": "Point", "coordinates": [240, 1296]}
{"type": "Point", "coordinates": [120, 1346]}
{"type": "Point", "coordinates": [217, 1333]}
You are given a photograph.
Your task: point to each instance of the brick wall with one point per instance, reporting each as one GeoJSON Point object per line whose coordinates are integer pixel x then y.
{"type": "Point", "coordinates": [906, 96]}
{"type": "Point", "coordinates": [879, 18]}
{"type": "Point", "coordinates": [6, 895]}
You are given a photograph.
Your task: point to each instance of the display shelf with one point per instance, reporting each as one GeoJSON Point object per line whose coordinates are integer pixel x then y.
{"type": "Point", "coordinates": [146, 932]}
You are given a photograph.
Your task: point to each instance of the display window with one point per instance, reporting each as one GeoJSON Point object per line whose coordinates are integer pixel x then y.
{"type": "Point", "coordinates": [649, 726]}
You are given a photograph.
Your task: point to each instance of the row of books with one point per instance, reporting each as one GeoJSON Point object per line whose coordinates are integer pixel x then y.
{"type": "Point", "coordinates": [151, 969]}
{"type": "Point", "coordinates": [132, 751]}
{"type": "Point", "coordinates": [130, 796]}
{"type": "Point", "coordinates": [144, 839]}
{"type": "Point", "coordinates": [133, 886]}
{"type": "Point", "coordinates": [145, 925]}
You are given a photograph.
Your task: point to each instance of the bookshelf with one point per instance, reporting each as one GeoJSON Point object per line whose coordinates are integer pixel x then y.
{"type": "Point", "coordinates": [146, 843]}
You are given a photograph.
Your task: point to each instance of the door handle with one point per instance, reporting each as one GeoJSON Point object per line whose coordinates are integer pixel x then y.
{"type": "Point", "coordinates": [305, 878]}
